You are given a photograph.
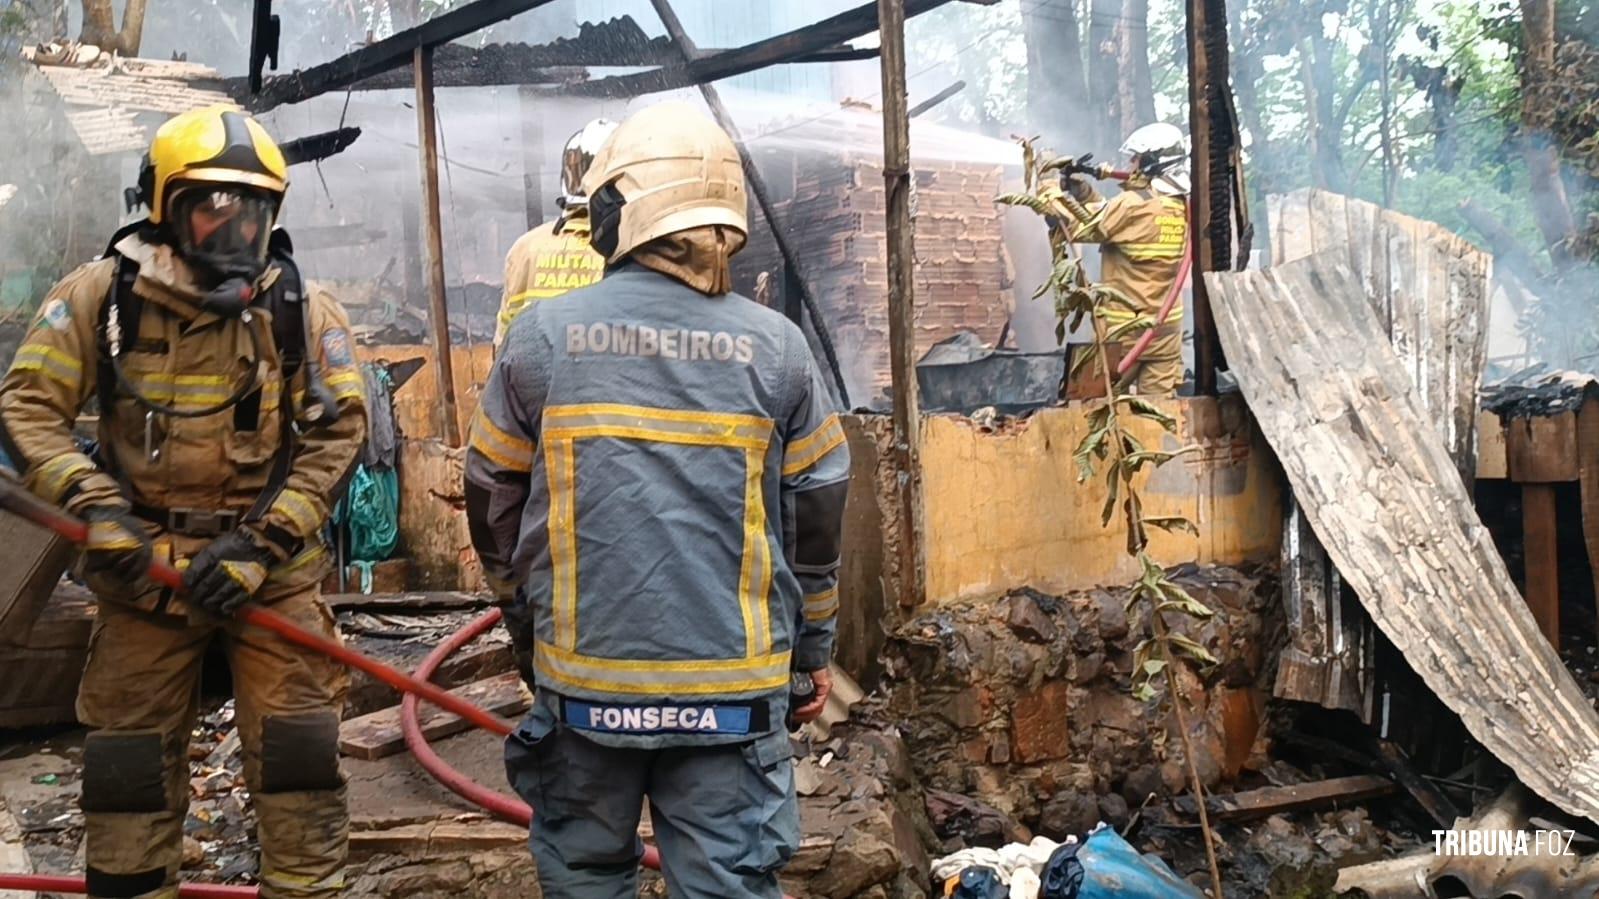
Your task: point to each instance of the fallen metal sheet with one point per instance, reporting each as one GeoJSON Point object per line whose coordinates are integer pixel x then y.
{"type": "Point", "coordinates": [1429, 290]}
{"type": "Point", "coordinates": [1383, 495]}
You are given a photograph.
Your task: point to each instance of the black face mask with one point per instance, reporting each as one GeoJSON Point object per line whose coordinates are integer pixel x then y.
{"type": "Point", "coordinates": [230, 298]}
{"type": "Point", "coordinates": [605, 219]}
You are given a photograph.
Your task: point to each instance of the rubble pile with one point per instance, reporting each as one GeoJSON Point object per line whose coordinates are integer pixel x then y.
{"type": "Point", "coordinates": [1019, 716]}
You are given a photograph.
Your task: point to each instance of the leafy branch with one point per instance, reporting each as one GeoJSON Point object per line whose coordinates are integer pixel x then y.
{"type": "Point", "coordinates": [1112, 451]}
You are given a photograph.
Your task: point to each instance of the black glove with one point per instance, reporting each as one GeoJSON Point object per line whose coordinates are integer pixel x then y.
{"type": "Point", "coordinates": [228, 572]}
{"type": "Point", "coordinates": [519, 624]}
{"type": "Point", "coordinates": [118, 548]}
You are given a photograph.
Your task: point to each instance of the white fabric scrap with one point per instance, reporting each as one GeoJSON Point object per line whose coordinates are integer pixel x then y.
{"type": "Point", "coordinates": [1008, 861]}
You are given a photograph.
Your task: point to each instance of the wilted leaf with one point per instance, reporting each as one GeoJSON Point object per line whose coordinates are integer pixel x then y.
{"type": "Point", "coordinates": [1182, 598]}
{"type": "Point", "coordinates": [1092, 444]}
{"type": "Point", "coordinates": [1192, 650]}
{"type": "Point", "coordinates": [1136, 461]}
{"type": "Point", "coordinates": [1172, 523]}
{"type": "Point", "coordinates": [1090, 352]}
{"type": "Point", "coordinates": [1145, 409]}
{"type": "Point", "coordinates": [1154, 667]}
{"type": "Point", "coordinates": [1114, 483]}
{"type": "Point", "coordinates": [1137, 324]}
{"type": "Point", "coordinates": [1144, 692]}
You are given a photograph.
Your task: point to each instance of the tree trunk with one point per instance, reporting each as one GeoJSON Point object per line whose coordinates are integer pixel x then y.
{"type": "Point", "coordinates": [1103, 91]}
{"type": "Point", "coordinates": [1055, 84]}
{"type": "Point", "coordinates": [1326, 156]}
{"type": "Point", "coordinates": [99, 25]}
{"type": "Point", "coordinates": [1549, 205]}
{"type": "Point", "coordinates": [132, 27]}
{"type": "Point", "coordinates": [1137, 94]}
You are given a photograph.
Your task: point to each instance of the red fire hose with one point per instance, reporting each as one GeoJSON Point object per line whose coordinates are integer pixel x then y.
{"type": "Point", "coordinates": [30, 507]}
{"type": "Point", "coordinates": [1148, 337]}
{"type": "Point", "coordinates": [500, 805]}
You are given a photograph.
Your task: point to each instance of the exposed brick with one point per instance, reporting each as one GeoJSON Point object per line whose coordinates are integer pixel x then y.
{"type": "Point", "coordinates": [1039, 728]}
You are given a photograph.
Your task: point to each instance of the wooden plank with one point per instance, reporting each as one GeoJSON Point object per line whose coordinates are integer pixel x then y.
{"type": "Point", "coordinates": [1423, 791]}
{"type": "Point", "coordinates": [1542, 449]}
{"type": "Point", "coordinates": [436, 838]}
{"type": "Point", "coordinates": [438, 314]}
{"type": "Point", "coordinates": [31, 564]}
{"type": "Point", "coordinates": [377, 735]}
{"type": "Point", "coordinates": [1539, 541]}
{"type": "Point", "coordinates": [897, 185]}
{"type": "Point", "coordinates": [1492, 458]}
{"type": "Point", "coordinates": [422, 601]}
{"type": "Point", "coordinates": [1268, 801]}
{"type": "Point", "coordinates": [1588, 475]}
{"type": "Point", "coordinates": [1383, 495]}
{"type": "Point", "coordinates": [367, 694]}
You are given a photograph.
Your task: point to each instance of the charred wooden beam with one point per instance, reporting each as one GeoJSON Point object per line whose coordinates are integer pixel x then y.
{"type": "Point", "coordinates": [1268, 801]}
{"type": "Point", "coordinates": [937, 98]}
{"type": "Point", "coordinates": [316, 147]}
{"type": "Point", "coordinates": [388, 54]}
{"type": "Point", "coordinates": [782, 48]}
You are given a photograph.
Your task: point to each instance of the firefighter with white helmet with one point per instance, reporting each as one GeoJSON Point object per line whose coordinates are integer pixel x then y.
{"type": "Point", "coordinates": [1143, 234]}
{"type": "Point", "coordinates": [556, 257]}
{"type": "Point", "coordinates": [655, 485]}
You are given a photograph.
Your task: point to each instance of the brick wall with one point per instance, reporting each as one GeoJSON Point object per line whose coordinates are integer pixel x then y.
{"type": "Point", "coordinates": [835, 207]}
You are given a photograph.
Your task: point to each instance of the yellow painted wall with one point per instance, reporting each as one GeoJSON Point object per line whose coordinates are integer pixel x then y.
{"type": "Point", "coordinates": [1005, 510]}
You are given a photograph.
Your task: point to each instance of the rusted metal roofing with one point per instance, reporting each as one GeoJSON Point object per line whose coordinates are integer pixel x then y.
{"type": "Point", "coordinates": [1374, 478]}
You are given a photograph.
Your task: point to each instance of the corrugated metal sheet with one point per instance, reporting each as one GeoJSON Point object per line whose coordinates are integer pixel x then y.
{"type": "Point", "coordinates": [105, 97]}
{"type": "Point", "coordinates": [1428, 290]}
{"type": "Point", "coordinates": [1381, 492]}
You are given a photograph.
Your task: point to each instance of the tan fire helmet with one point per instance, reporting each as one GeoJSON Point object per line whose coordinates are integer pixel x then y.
{"type": "Point", "coordinates": [666, 169]}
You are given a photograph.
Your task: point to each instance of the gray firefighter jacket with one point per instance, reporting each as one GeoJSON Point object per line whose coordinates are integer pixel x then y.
{"type": "Point", "coordinates": [660, 478]}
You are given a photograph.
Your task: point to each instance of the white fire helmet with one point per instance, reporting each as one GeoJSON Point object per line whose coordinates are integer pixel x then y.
{"type": "Point", "coordinates": [1160, 152]}
{"type": "Point", "coordinates": [579, 154]}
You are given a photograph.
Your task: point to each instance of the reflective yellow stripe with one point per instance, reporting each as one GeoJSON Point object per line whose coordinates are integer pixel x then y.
{"type": "Point", "coordinates": [649, 677]}
{"type": "Point", "coordinates": [808, 450]}
{"type": "Point", "coordinates": [518, 301]}
{"type": "Point", "coordinates": [306, 557]}
{"type": "Point", "coordinates": [561, 470]}
{"type": "Point", "coordinates": [58, 364]}
{"type": "Point", "coordinates": [52, 479]}
{"type": "Point", "coordinates": [347, 384]}
{"type": "Point", "coordinates": [563, 426]}
{"type": "Point", "coordinates": [300, 510]}
{"type": "Point", "coordinates": [663, 425]}
{"type": "Point", "coordinates": [502, 449]}
{"type": "Point", "coordinates": [755, 568]}
{"type": "Point", "coordinates": [182, 391]}
{"type": "Point", "coordinates": [822, 606]}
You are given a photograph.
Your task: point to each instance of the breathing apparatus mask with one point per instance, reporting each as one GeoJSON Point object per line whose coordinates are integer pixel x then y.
{"type": "Point", "coordinates": [224, 231]}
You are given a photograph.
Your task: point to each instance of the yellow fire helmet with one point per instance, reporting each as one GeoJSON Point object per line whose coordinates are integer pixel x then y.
{"type": "Point", "coordinates": [666, 169]}
{"type": "Point", "coordinates": [214, 180]}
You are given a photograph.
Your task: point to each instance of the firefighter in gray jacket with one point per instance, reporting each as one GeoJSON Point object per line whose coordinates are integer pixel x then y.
{"type": "Point", "coordinates": [655, 485]}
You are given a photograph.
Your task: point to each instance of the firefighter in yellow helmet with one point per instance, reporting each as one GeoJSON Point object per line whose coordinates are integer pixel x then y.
{"type": "Point", "coordinates": [556, 257]}
{"type": "Point", "coordinates": [1143, 235]}
{"type": "Point", "coordinates": [655, 483]}
{"type": "Point", "coordinates": [230, 415]}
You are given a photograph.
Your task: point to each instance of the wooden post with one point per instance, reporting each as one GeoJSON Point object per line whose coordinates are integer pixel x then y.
{"type": "Point", "coordinates": [1539, 538]}
{"type": "Point", "coordinates": [1588, 480]}
{"type": "Point", "coordinates": [438, 313]}
{"type": "Point", "coordinates": [901, 298]}
{"type": "Point", "coordinates": [1204, 193]}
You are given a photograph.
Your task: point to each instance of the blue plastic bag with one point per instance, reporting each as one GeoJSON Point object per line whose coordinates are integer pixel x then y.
{"type": "Point", "coordinates": [1105, 866]}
